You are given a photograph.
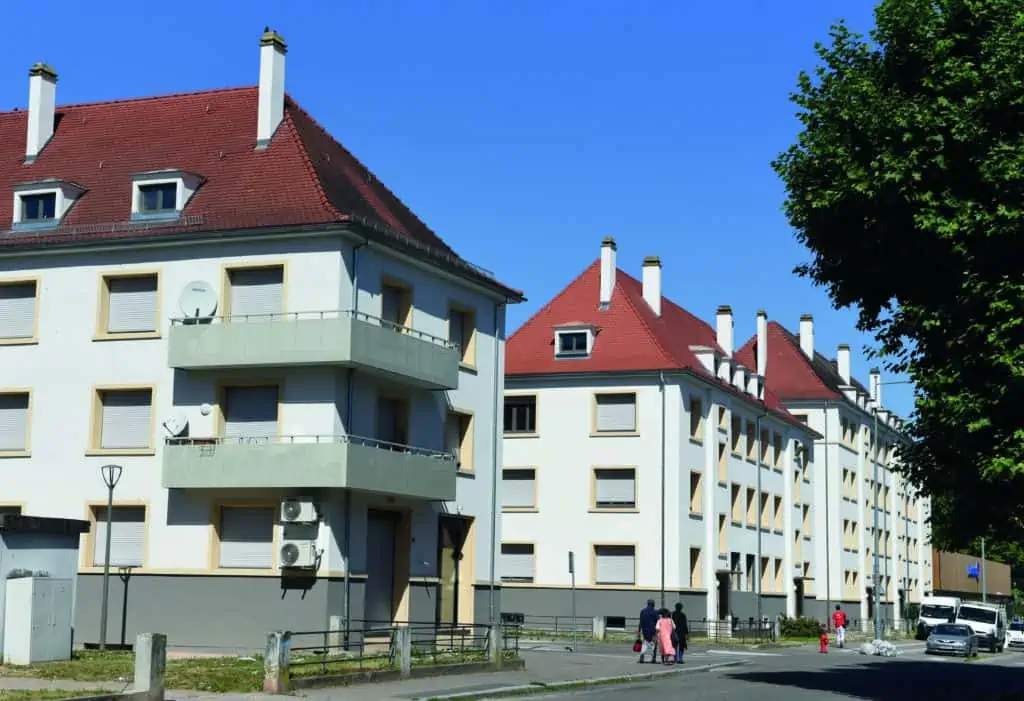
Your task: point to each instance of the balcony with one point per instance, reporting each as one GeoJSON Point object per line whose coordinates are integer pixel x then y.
{"type": "Point", "coordinates": [286, 462]}
{"type": "Point", "coordinates": [343, 338]}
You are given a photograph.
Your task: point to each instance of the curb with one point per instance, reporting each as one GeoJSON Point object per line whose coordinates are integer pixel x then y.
{"type": "Point", "coordinates": [568, 685]}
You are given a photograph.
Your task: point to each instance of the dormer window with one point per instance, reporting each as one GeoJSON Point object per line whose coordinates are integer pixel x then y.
{"type": "Point", "coordinates": [574, 342]}
{"type": "Point", "coordinates": [40, 207]}
{"type": "Point", "coordinates": [43, 204]}
{"type": "Point", "coordinates": [162, 194]}
{"type": "Point", "coordinates": [158, 198]}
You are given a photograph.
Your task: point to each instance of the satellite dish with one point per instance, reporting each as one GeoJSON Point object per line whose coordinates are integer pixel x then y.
{"type": "Point", "coordinates": [176, 424]}
{"type": "Point", "coordinates": [198, 300]}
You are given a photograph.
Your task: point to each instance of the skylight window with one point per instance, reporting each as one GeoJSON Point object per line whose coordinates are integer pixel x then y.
{"type": "Point", "coordinates": [37, 208]}
{"type": "Point", "coordinates": [162, 197]}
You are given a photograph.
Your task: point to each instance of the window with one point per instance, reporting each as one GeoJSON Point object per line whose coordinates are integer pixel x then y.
{"type": "Point", "coordinates": [806, 528]}
{"type": "Point", "coordinates": [127, 536]}
{"type": "Point", "coordinates": [615, 564]}
{"type": "Point", "coordinates": [396, 306]}
{"type": "Point", "coordinates": [18, 303]}
{"type": "Point", "coordinates": [802, 418]}
{"type": "Point", "coordinates": [521, 414]}
{"type": "Point", "coordinates": [737, 434]}
{"type": "Point", "coordinates": [615, 488]}
{"type": "Point", "coordinates": [766, 573]}
{"type": "Point", "coordinates": [779, 575]}
{"type": "Point", "coordinates": [696, 420]}
{"type": "Point", "coordinates": [751, 440]}
{"type": "Point", "coordinates": [748, 572]}
{"type": "Point", "coordinates": [778, 514]}
{"type": "Point", "coordinates": [723, 531]}
{"type": "Point", "coordinates": [393, 422]}
{"type": "Point", "coordinates": [777, 444]}
{"type": "Point", "coordinates": [462, 334]}
{"type": "Point", "coordinates": [737, 504]}
{"type": "Point", "coordinates": [518, 489]}
{"type": "Point", "coordinates": [458, 439]}
{"type": "Point", "coordinates": [572, 344]}
{"type": "Point", "coordinates": [696, 492]}
{"type": "Point", "coordinates": [797, 546]}
{"type": "Point", "coordinates": [808, 581]}
{"type": "Point", "coordinates": [129, 305]}
{"type": "Point", "coordinates": [615, 413]}
{"type": "Point", "coordinates": [723, 463]}
{"type": "Point", "coordinates": [517, 562]}
{"type": "Point", "coordinates": [157, 198]}
{"type": "Point", "coordinates": [723, 418]}
{"type": "Point", "coordinates": [246, 537]}
{"type": "Point", "coordinates": [846, 534]}
{"type": "Point", "coordinates": [735, 573]}
{"type": "Point", "coordinates": [796, 485]}
{"type": "Point", "coordinates": [38, 208]}
{"type": "Point", "coordinates": [766, 517]}
{"type": "Point", "coordinates": [14, 421]}
{"type": "Point", "coordinates": [696, 569]}
{"type": "Point", "coordinates": [10, 510]}
{"type": "Point", "coordinates": [124, 419]}
{"type": "Point", "coordinates": [751, 506]}
{"type": "Point", "coordinates": [250, 413]}
{"type": "Point", "coordinates": [255, 294]}
{"type": "Point", "coordinates": [765, 446]}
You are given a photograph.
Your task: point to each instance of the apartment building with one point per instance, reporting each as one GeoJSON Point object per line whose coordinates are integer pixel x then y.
{"type": "Point", "coordinates": [297, 377]}
{"type": "Point", "coordinates": [855, 431]}
{"type": "Point", "coordinates": [634, 441]}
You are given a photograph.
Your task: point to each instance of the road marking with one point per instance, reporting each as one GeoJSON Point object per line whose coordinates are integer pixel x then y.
{"type": "Point", "coordinates": [739, 653]}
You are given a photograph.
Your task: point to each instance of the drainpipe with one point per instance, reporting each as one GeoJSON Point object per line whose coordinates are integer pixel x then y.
{"type": "Point", "coordinates": [498, 404]}
{"type": "Point", "coordinates": [760, 517]}
{"type": "Point", "coordinates": [661, 384]}
{"type": "Point", "coordinates": [828, 570]}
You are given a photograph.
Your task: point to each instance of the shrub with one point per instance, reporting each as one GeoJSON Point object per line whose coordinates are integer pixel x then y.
{"type": "Point", "coordinates": [799, 628]}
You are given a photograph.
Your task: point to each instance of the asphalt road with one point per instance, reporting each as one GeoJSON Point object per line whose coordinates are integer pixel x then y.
{"type": "Point", "coordinates": [803, 674]}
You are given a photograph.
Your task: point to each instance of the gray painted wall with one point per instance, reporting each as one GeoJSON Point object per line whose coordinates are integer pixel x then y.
{"type": "Point", "coordinates": [540, 602]}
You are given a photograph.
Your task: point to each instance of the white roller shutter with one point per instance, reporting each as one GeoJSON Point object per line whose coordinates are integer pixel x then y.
{"type": "Point", "coordinates": [614, 564]}
{"type": "Point", "coordinates": [13, 421]}
{"type": "Point", "coordinates": [127, 536]}
{"type": "Point", "coordinates": [131, 304]}
{"type": "Point", "coordinates": [246, 537]}
{"type": "Point", "coordinates": [257, 293]}
{"type": "Point", "coordinates": [17, 310]}
{"type": "Point", "coordinates": [516, 563]}
{"type": "Point", "coordinates": [518, 489]}
{"type": "Point", "coordinates": [250, 412]}
{"type": "Point", "coordinates": [616, 412]}
{"type": "Point", "coordinates": [615, 488]}
{"type": "Point", "coordinates": [126, 419]}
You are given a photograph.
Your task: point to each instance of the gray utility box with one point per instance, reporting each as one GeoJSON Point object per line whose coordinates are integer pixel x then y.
{"type": "Point", "coordinates": [37, 620]}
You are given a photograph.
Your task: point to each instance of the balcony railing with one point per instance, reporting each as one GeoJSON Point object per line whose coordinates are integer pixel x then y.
{"type": "Point", "coordinates": [313, 438]}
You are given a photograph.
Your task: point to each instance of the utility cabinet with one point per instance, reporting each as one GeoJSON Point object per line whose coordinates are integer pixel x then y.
{"type": "Point", "coordinates": [37, 620]}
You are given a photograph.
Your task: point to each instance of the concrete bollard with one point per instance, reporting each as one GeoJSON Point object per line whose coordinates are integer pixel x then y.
{"type": "Point", "coordinates": [494, 644]}
{"type": "Point", "coordinates": [276, 674]}
{"type": "Point", "coordinates": [151, 664]}
{"type": "Point", "coordinates": [335, 634]}
{"type": "Point", "coordinates": [598, 628]}
{"type": "Point", "coordinates": [403, 646]}
{"type": "Point", "coordinates": [777, 628]}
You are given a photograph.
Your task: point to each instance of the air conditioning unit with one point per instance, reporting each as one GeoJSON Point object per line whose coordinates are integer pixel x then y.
{"type": "Point", "coordinates": [299, 510]}
{"type": "Point", "coordinates": [297, 554]}
{"type": "Point", "coordinates": [722, 562]}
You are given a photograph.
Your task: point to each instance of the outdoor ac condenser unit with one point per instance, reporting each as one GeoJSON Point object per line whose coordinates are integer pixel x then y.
{"type": "Point", "coordinates": [297, 554]}
{"type": "Point", "coordinates": [298, 510]}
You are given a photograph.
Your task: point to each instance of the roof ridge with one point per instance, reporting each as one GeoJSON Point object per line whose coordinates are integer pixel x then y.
{"type": "Point", "coordinates": [651, 333]}
{"type": "Point", "coordinates": [310, 168]}
{"type": "Point", "coordinates": [554, 299]}
{"type": "Point", "coordinates": [145, 98]}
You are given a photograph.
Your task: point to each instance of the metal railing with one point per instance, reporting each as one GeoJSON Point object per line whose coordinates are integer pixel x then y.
{"type": "Point", "coordinates": [305, 439]}
{"type": "Point", "coordinates": [610, 627]}
{"type": "Point", "coordinates": [278, 317]}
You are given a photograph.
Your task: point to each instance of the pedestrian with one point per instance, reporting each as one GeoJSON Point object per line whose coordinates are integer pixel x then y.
{"type": "Point", "coordinates": [666, 630]}
{"type": "Point", "coordinates": [682, 630]}
{"type": "Point", "coordinates": [646, 630]}
{"type": "Point", "coordinates": [839, 623]}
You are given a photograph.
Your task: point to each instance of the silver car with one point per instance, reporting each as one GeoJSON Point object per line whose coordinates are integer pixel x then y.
{"type": "Point", "coordinates": [952, 639]}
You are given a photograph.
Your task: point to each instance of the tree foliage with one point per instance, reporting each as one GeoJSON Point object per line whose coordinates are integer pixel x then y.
{"type": "Point", "coordinates": [906, 183]}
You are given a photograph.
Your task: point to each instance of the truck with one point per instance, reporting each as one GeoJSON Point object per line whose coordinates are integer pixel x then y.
{"type": "Point", "coordinates": [935, 610]}
{"type": "Point", "coordinates": [988, 621]}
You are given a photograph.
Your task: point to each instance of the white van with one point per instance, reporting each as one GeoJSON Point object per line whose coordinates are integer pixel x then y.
{"type": "Point", "coordinates": [988, 621]}
{"type": "Point", "coordinates": [935, 610]}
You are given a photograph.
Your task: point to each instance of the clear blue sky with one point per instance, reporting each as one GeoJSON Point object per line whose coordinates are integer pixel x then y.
{"type": "Point", "coordinates": [523, 132]}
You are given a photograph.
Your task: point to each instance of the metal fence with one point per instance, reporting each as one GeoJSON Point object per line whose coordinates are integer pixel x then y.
{"type": "Point", "coordinates": [605, 627]}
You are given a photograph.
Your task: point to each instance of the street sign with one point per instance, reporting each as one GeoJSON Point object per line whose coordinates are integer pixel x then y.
{"type": "Point", "coordinates": [972, 570]}
{"type": "Point", "coordinates": [572, 563]}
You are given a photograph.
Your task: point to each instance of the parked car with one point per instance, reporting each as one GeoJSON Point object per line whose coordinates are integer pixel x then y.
{"type": "Point", "coordinates": [1015, 635]}
{"type": "Point", "coordinates": [952, 639]}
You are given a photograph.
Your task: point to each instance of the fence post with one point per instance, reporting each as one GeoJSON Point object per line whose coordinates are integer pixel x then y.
{"type": "Point", "coordinates": [276, 675]}
{"type": "Point", "coordinates": [403, 643]}
{"type": "Point", "coordinates": [494, 643]}
{"type": "Point", "coordinates": [598, 628]}
{"type": "Point", "coordinates": [335, 634]}
{"type": "Point", "coordinates": [777, 630]}
{"type": "Point", "coordinates": [151, 664]}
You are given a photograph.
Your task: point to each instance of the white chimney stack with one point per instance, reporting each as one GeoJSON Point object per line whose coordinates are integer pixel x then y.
{"type": "Point", "coordinates": [271, 99]}
{"type": "Point", "coordinates": [724, 327]}
{"type": "Point", "coordinates": [843, 362]}
{"type": "Point", "coordinates": [762, 342]}
{"type": "Point", "coordinates": [875, 386]}
{"type": "Point", "coordinates": [807, 335]}
{"type": "Point", "coordinates": [652, 283]}
{"type": "Point", "coordinates": [42, 107]}
{"type": "Point", "coordinates": [608, 268]}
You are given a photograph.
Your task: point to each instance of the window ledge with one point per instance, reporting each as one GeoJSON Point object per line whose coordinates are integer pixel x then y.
{"type": "Point", "coordinates": [723, 483]}
{"type": "Point", "coordinates": [466, 473]}
{"type": "Point", "coordinates": [738, 524]}
{"type": "Point", "coordinates": [519, 510]}
{"type": "Point", "coordinates": [15, 454]}
{"type": "Point", "coordinates": [614, 585]}
{"type": "Point", "coordinates": [599, 510]}
{"type": "Point", "coordinates": [121, 451]}
{"type": "Point", "coordinates": [35, 225]}
{"type": "Point", "coordinates": [697, 515]}
{"type": "Point", "coordinates": [157, 216]}
{"type": "Point", "coordinates": [468, 367]}
{"type": "Point", "coordinates": [128, 336]}
{"type": "Point", "coordinates": [520, 435]}
{"type": "Point", "coordinates": [19, 341]}
{"type": "Point", "coordinates": [229, 572]}
{"type": "Point", "coordinates": [614, 434]}
{"type": "Point", "coordinates": [697, 441]}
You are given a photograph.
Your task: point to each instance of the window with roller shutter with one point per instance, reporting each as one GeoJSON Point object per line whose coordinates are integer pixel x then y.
{"type": "Point", "coordinates": [18, 310]}
{"type": "Point", "coordinates": [518, 488]}
{"type": "Point", "coordinates": [246, 537]}
{"type": "Point", "coordinates": [614, 564]}
{"type": "Point", "coordinates": [615, 488]}
{"type": "Point", "coordinates": [257, 294]}
{"type": "Point", "coordinates": [615, 413]}
{"type": "Point", "coordinates": [517, 562]}
{"type": "Point", "coordinates": [126, 419]}
{"type": "Point", "coordinates": [14, 422]}
{"type": "Point", "coordinates": [127, 536]}
{"type": "Point", "coordinates": [131, 304]}
{"type": "Point", "coordinates": [250, 412]}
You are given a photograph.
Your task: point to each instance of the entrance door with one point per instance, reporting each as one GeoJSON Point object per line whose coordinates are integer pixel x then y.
{"type": "Point", "coordinates": [379, 604]}
{"type": "Point", "coordinates": [723, 595]}
{"type": "Point", "coordinates": [799, 586]}
{"type": "Point", "coordinates": [451, 542]}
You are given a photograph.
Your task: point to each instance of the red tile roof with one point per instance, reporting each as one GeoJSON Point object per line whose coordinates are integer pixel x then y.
{"type": "Point", "coordinates": [629, 338]}
{"type": "Point", "coordinates": [305, 177]}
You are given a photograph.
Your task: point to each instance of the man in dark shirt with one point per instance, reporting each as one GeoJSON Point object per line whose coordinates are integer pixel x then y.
{"type": "Point", "coordinates": [646, 630]}
{"type": "Point", "coordinates": [682, 631]}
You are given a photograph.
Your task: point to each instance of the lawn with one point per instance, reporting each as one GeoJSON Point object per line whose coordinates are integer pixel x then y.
{"type": "Point", "coordinates": [46, 694]}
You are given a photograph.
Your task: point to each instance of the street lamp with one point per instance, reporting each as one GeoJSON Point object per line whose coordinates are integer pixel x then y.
{"type": "Point", "coordinates": [111, 476]}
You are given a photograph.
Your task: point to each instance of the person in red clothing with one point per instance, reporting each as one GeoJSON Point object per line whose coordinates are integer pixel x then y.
{"type": "Point", "coordinates": [839, 623]}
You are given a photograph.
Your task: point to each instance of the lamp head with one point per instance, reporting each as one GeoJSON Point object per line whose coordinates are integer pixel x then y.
{"type": "Point", "coordinates": [111, 475]}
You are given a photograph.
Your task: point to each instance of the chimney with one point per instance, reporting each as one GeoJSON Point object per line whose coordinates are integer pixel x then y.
{"type": "Point", "coordinates": [762, 342]}
{"type": "Point", "coordinates": [42, 104]}
{"type": "Point", "coordinates": [875, 386]}
{"type": "Point", "coordinates": [843, 362]}
{"type": "Point", "coordinates": [807, 335]}
{"type": "Point", "coordinates": [271, 99]}
{"type": "Point", "coordinates": [724, 326]}
{"type": "Point", "coordinates": [608, 269]}
{"type": "Point", "coordinates": [652, 283]}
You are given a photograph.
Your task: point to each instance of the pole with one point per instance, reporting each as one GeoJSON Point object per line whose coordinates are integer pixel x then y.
{"type": "Point", "coordinates": [760, 518]}
{"type": "Point", "coordinates": [984, 596]}
{"type": "Point", "coordinates": [828, 528]}
{"type": "Point", "coordinates": [661, 378]}
{"type": "Point", "coordinates": [874, 577]}
{"type": "Point", "coordinates": [492, 612]}
{"type": "Point", "coordinates": [572, 579]}
{"type": "Point", "coordinates": [106, 569]}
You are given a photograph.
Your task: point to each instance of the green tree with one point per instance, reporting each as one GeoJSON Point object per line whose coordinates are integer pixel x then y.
{"type": "Point", "coordinates": [906, 183]}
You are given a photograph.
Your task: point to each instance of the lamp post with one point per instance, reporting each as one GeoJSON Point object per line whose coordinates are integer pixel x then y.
{"type": "Point", "coordinates": [111, 476]}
